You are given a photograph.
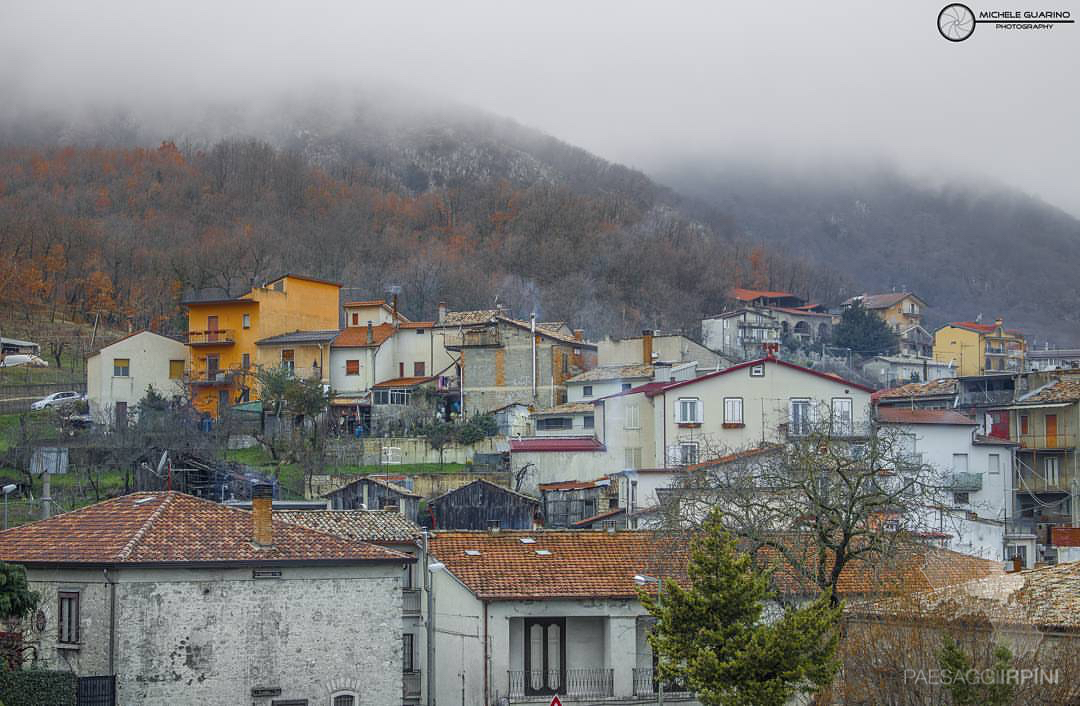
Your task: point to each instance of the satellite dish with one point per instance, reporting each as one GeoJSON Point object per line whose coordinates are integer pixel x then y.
{"type": "Point", "coordinates": [163, 461]}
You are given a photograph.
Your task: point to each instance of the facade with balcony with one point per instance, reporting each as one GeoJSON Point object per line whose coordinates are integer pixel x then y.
{"type": "Point", "coordinates": [975, 348]}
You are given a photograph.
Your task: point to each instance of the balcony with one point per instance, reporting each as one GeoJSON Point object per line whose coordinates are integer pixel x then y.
{"type": "Point", "coordinates": [218, 337]}
{"type": "Point", "coordinates": [410, 685]}
{"type": "Point", "coordinates": [477, 338]}
{"type": "Point", "coordinates": [646, 684]}
{"type": "Point", "coordinates": [985, 397]}
{"type": "Point", "coordinates": [1047, 442]}
{"type": "Point", "coordinates": [410, 601]}
{"type": "Point", "coordinates": [966, 482]}
{"type": "Point", "coordinates": [595, 683]}
{"type": "Point", "coordinates": [210, 378]}
{"type": "Point", "coordinates": [1030, 481]}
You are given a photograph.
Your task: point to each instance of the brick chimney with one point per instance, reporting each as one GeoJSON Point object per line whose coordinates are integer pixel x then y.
{"type": "Point", "coordinates": [579, 334]}
{"type": "Point", "coordinates": [262, 500]}
{"type": "Point", "coordinates": [646, 347]}
{"type": "Point", "coordinates": [370, 334]}
{"type": "Point", "coordinates": [442, 313]}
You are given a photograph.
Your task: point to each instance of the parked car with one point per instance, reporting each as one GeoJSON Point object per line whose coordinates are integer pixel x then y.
{"type": "Point", "coordinates": [57, 399]}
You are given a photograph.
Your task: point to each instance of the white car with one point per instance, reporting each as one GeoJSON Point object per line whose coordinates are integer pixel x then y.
{"type": "Point", "coordinates": [57, 399]}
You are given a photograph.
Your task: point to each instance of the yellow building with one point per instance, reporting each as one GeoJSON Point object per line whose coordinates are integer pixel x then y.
{"type": "Point", "coordinates": [980, 349]}
{"type": "Point", "coordinates": [229, 338]}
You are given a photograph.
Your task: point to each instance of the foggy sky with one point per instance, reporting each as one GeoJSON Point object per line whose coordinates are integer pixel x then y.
{"type": "Point", "coordinates": [644, 83]}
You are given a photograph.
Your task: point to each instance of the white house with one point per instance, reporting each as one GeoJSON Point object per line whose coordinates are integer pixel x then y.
{"type": "Point", "coordinates": [186, 601]}
{"type": "Point", "coordinates": [524, 616]}
{"type": "Point", "coordinates": [118, 375]}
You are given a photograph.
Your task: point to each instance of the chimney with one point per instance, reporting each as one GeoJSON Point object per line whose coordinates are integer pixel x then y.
{"type": "Point", "coordinates": [579, 334]}
{"type": "Point", "coordinates": [442, 313]}
{"type": "Point", "coordinates": [262, 501]}
{"type": "Point", "coordinates": [1017, 565]}
{"type": "Point", "coordinates": [394, 314]}
{"type": "Point", "coordinates": [646, 347]}
{"type": "Point", "coordinates": [998, 322]}
{"type": "Point", "coordinates": [370, 334]}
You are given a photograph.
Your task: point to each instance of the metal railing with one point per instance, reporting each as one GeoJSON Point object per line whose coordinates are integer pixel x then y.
{"type": "Point", "coordinates": [595, 683]}
{"type": "Point", "coordinates": [976, 397]}
{"type": "Point", "coordinates": [1033, 481]}
{"type": "Point", "coordinates": [964, 481]}
{"type": "Point", "coordinates": [410, 601]}
{"type": "Point", "coordinates": [214, 376]}
{"type": "Point", "coordinates": [217, 337]}
{"type": "Point", "coordinates": [646, 684]}
{"type": "Point", "coordinates": [410, 684]}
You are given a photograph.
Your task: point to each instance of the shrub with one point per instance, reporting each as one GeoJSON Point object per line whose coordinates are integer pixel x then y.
{"type": "Point", "coordinates": [37, 687]}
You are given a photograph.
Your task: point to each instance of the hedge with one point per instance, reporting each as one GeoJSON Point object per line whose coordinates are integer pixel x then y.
{"type": "Point", "coordinates": [37, 687]}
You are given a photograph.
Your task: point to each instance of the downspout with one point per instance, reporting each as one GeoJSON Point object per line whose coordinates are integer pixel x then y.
{"type": "Point", "coordinates": [532, 336]}
{"type": "Point", "coordinates": [663, 402]}
{"type": "Point", "coordinates": [487, 657]}
{"type": "Point", "coordinates": [112, 622]}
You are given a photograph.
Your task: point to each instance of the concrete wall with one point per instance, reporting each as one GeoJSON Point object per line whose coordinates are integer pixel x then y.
{"type": "Point", "coordinates": [209, 636]}
{"type": "Point", "coordinates": [369, 450]}
{"type": "Point", "coordinates": [149, 355]}
{"type": "Point", "coordinates": [351, 384]}
{"type": "Point", "coordinates": [555, 466]}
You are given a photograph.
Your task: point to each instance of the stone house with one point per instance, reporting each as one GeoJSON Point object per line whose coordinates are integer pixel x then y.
{"type": "Point", "coordinates": [187, 601]}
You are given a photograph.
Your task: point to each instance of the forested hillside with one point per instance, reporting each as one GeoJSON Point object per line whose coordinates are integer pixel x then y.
{"type": "Point", "coordinates": [471, 211]}
{"type": "Point", "coordinates": [967, 250]}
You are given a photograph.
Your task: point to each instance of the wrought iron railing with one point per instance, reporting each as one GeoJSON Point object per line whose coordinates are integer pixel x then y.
{"type": "Point", "coordinates": [595, 683]}
{"type": "Point", "coordinates": [410, 601]}
{"type": "Point", "coordinates": [964, 481]}
{"type": "Point", "coordinates": [647, 684]}
{"type": "Point", "coordinates": [216, 337]}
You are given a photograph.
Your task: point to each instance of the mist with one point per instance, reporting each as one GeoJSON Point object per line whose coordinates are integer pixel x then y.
{"type": "Point", "coordinates": [643, 83]}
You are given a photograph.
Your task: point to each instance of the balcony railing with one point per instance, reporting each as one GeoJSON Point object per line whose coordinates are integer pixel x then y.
{"type": "Point", "coordinates": [216, 376]}
{"type": "Point", "coordinates": [410, 685]}
{"type": "Point", "coordinates": [977, 397]}
{"type": "Point", "coordinates": [966, 482]}
{"type": "Point", "coordinates": [579, 683]}
{"type": "Point", "coordinates": [217, 337]}
{"type": "Point", "coordinates": [1039, 442]}
{"type": "Point", "coordinates": [1031, 481]}
{"type": "Point", "coordinates": [410, 601]}
{"type": "Point", "coordinates": [468, 339]}
{"type": "Point", "coordinates": [646, 684]}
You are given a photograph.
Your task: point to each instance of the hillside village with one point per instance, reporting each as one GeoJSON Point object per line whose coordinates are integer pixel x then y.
{"type": "Point", "coordinates": [320, 500]}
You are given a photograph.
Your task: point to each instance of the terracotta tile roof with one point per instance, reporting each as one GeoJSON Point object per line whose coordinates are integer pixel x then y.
{"type": "Point", "coordinates": [375, 526]}
{"type": "Point", "coordinates": [378, 480]}
{"type": "Point", "coordinates": [573, 485]}
{"type": "Point", "coordinates": [566, 408]}
{"type": "Point", "coordinates": [981, 328]}
{"type": "Point", "coordinates": [1046, 598]}
{"type": "Point", "coordinates": [411, 381]}
{"type": "Point", "coordinates": [1060, 390]}
{"type": "Point", "coordinates": [416, 324]}
{"type": "Point", "coordinates": [747, 295]}
{"type": "Point", "coordinates": [905, 415]}
{"type": "Point", "coordinates": [581, 564]}
{"type": "Point", "coordinates": [882, 301]}
{"type": "Point", "coordinates": [356, 336]}
{"type": "Point", "coordinates": [614, 372]}
{"type": "Point", "coordinates": [170, 528]}
{"type": "Point", "coordinates": [934, 388]}
{"type": "Point", "coordinates": [468, 318]}
{"type": "Point", "coordinates": [556, 443]}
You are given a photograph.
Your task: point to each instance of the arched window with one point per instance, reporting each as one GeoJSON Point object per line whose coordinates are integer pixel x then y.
{"type": "Point", "coordinates": [802, 329]}
{"type": "Point", "coordinates": [343, 699]}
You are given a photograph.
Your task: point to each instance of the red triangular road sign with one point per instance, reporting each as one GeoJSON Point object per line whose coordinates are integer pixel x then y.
{"type": "Point", "coordinates": [555, 701]}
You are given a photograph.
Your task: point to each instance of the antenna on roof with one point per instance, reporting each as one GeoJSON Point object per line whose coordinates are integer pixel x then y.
{"type": "Point", "coordinates": [978, 319]}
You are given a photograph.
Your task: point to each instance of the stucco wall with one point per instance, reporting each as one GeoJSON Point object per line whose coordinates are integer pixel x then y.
{"type": "Point", "coordinates": [149, 355]}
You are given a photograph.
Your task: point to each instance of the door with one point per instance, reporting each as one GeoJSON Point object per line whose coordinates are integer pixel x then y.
{"type": "Point", "coordinates": [223, 401]}
{"type": "Point", "coordinates": [1051, 431]}
{"type": "Point", "coordinates": [121, 415]}
{"type": "Point", "coordinates": [545, 656]}
{"type": "Point", "coordinates": [211, 329]}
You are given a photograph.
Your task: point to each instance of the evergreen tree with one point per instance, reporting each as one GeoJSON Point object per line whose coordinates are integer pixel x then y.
{"type": "Point", "coordinates": [714, 637]}
{"type": "Point", "coordinates": [968, 691]}
{"type": "Point", "coordinates": [16, 599]}
{"type": "Point", "coordinates": [864, 332]}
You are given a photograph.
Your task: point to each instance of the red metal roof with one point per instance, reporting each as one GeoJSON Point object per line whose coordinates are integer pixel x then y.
{"type": "Point", "coordinates": [906, 415]}
{"type": "Point", "coordinates": [556, 444]}
{"type": "Point", "coordinates": [981, 328]}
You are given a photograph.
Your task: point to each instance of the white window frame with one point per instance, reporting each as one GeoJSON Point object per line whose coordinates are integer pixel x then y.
{"type": "Point", "coordinates": [960, 463]}
{"type": "Point", "coordinates": [757, 371]}
{"type": "Point", "coordinates": [733, 413]}
{"type": "Point", "coordinates": [843, 427]}
{"type": "Point", "coordinates": [695, 408]}
{"type": "Point", "coordinates": [586, 390]}
{"type": "Point", "coordinates": [694, 450]}
{"type": "Point", "coordinates": [1052, 470]}
{"type": "Point", "coordinates": [807, 420]}
{"type": "Point", "coordinates": [632, 456]}
{"type": "Point", "coordinates": [631, 417]}
{"type": "Point", "coordinates": [993, 464]}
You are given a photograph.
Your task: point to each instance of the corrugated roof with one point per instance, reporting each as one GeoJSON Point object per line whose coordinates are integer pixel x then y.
{"type": "Point", "coordinates": [574, 485]}
{"type": "Point", "coordinates": [614, 372]}
{"type": "Point", "coordinates": [166, 528]}
{"type": "Point", "coordinates": [555, 443]}
{"type": "Point", "coordinates": [905, 415]}
{"type": "Point", "coordinates": [412, 381]}
{"type": "Point", "coordinates": [298, 337]}
{"type": "Point", "coordinates": [376, 526]}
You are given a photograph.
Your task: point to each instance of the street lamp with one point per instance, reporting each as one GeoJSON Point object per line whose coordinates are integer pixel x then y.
{"type": "Point", "coordinates": [8, 490]}
{"type": "Point", "coordinates": [644, 580]}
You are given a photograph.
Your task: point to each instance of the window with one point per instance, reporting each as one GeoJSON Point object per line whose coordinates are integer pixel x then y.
{"type": "Point", "coordinates": [632, 421]}
{"type": "Point", "coordinates": [418, 369]}
{"type": "Point", "coordinates": [352, 367]}
{"type": "Point", "coordinates": [355, 319]}
{"type": "Point", "coordinates": [399, 397]}
{"type": "Point", "coordinates": [246, 321]}
{"type": "Point", "coordinates": [632, 457]}
{"type": "Point", "coordinates": [382, 397]}
{"type": "Point", "coordinates": [1013, 551]}
{"type": "Point", "coordinates": [213, 364]}
{"type": "Point", "coordinates": [757, 371]}
{"type": "Point", "coordinates": [588, 421]}
{"type": "Point", "coordinates": [554, 423]}
{"type": "Point", "coordinates": [245, 361]}
{"type": "Point", "coordinates": [565, 364]}
{"type": "Point", "coordinates": [545, 656]}
{"type": "Point", "coordinates": [733, 410]}
{"type": "Point", "coordinates": [121, 367]}
{"type": "Point", "coordinates": [287, 359]}
{"type": "Point", "coordinates": [993, 463]}
{"type": "Point", "coordinates": [586, 391]}
{"type": "Point", "coordinates": [961, 498]}
{"type": "Point", "coordinates": [689, 410]}
{"type": "Point", "coordinates": [406, 576]}
{"type": "Point", "coordinates": [688, 453]}
{"type": "Point", "coordinates": [345, 699]}
{"type": "Point", "coordinates": [1050, 468]}
{"type": "Point", "coordinates": [1023, 424]}
{"type": "Point", "coordinates": [407, 664]}
{"type": "Point", "coordinates": [401, 370]}
{"type": "Point", "coordinates": [176, 369]}
{"type": "Point", "coordinates": [626, 386]}
{"type": "Point", "coordinates": [800, 417]}
{"type": "Point", "coordinates": [68, 618]}
{"type": "Point", "coordinates": [960, 463]}
{"type": "Point", "coordinates": [841, 416]}
{"type": "Point", "coordinates": [419, 332]}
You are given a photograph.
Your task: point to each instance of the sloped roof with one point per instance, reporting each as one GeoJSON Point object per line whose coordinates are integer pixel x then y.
{"type": "Point", "coordinates": [582, 564]}
{"type": "Point", "coordinates": [556, 443]}
{"type": "Point", "coordinates": [934, 388]}
{"type": "Point", "coordinates": [494, 486]}
{"type": "Point", "coordinates": [746, 295]}
{"type": "Point", "coordinates": [356, 336]}
{"type": "Point", "coordinates": [469, 318]}
{"type": "Point", "coordinates": [566, 408]}
{"type": "Point", "coordinates": [298, 337]}
{"type": "Point", "coordinates": [293, 275]}
{"type": "Point", "coordinates": [376, 526]}
{"type": "Point", "coordinates": [485, 316]}
{"type": "Point", "coordinates": [737, 456]}
{"type": "Point", "coordinates": [613, 372]}
{"type": "Point", "coordinates": [1060, 390]}
{"type": "Point", "coordinates": [905, 415]}
{"type": "Point", "coordinates": [399, 489]}
{"type": "Point", "coordinates": [980, 328]}
{"type": "Point", "coordinates": [133, 334]}
{"type": "Point", "coordinates": [411, 381]}
{"type": "Point", "coordinates": [760, 361]}
{"type": "Point", "coordinates": [171, 528]}
{"type": "Point", "coordinates": [882, 301]}
{"type": "Point", "coordinates": [574, 484]}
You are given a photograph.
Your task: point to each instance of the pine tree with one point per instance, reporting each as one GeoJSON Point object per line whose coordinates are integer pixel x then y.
{"type": "Point", "coordinates": [16, 599]}
{"type": "Point", "coordinates": [968, 691]}
{"type": "Point", "coordinates": [715, 637]}
{"type": "Point", "coordinates": [864, 332]}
